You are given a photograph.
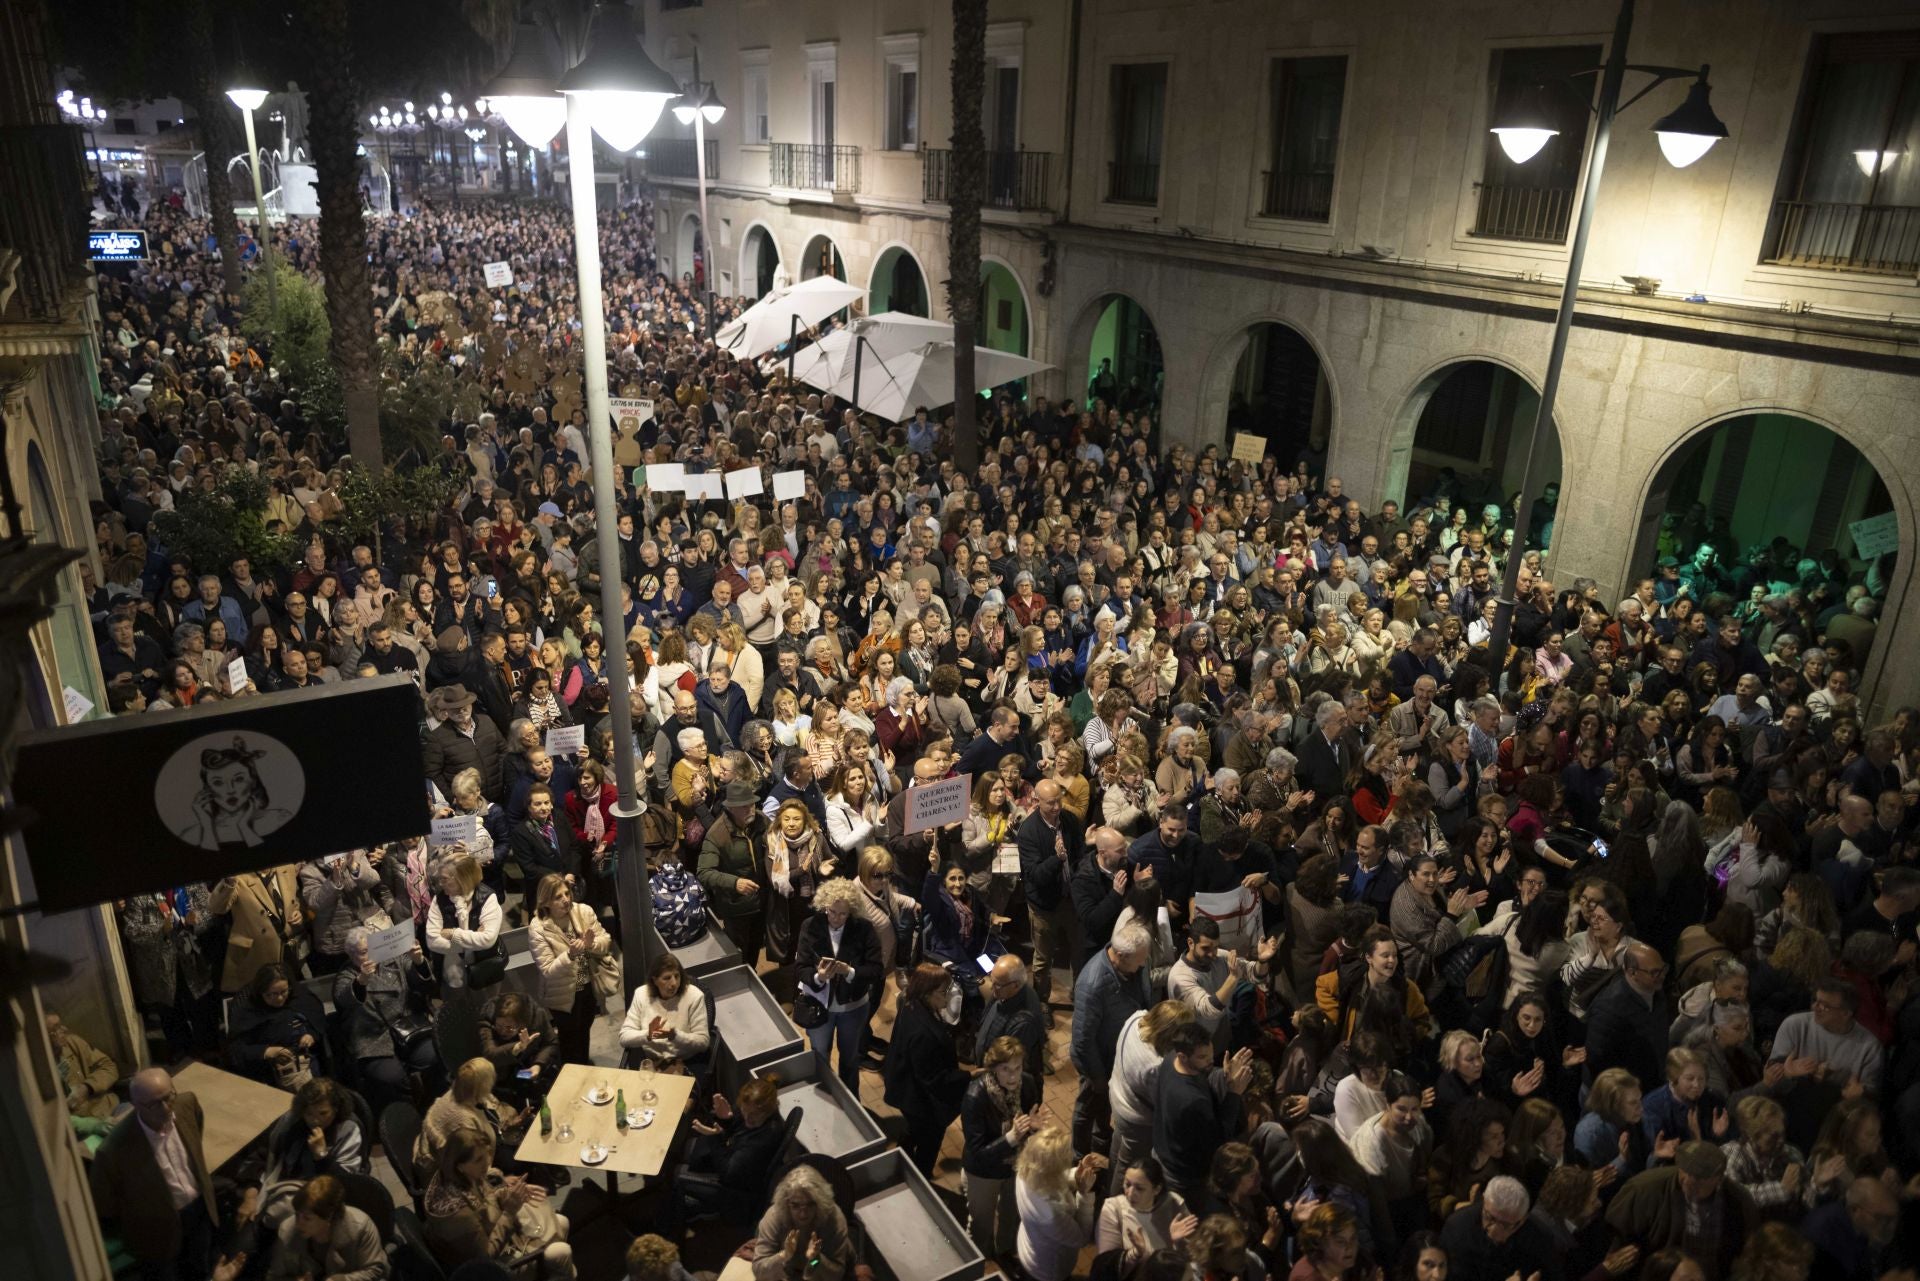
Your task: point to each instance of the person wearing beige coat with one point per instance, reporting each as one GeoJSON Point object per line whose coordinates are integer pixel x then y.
{"type": "Point", "coordinates": [266, 913]}
{"type": "Point", "coordinates": [577, 969]}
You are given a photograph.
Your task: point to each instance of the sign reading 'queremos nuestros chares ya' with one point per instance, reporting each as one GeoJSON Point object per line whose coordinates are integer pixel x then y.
{"type": "Point", "coordinates": [211, 791]}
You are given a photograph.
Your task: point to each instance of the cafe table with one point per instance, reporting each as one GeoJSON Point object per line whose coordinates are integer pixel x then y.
{"type": "Point", "coordinates": [635, 1150]}
{"type": "Point", "coordinates": [238, 1109]}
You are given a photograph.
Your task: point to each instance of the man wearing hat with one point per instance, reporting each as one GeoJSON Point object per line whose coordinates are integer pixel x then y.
{"type": "Point", "coordinates": [544, 520]}
{"type": "Point", "coordinates": [733, 868]}
{"type": "Point", "coordinates": [459, 740]}
{"type": "Point", "coordinates": [1690, 1205]}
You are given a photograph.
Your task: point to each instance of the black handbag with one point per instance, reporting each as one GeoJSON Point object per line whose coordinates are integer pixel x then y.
{"type": "Point", "coordinates": [488, 968]}
{"type": "Point", "coordinates": [809, 1011]}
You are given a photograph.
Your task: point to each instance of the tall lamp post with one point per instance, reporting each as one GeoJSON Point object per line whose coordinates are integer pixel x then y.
{"type": "Point", "coordinates": [700, 106]}
{"type": "Point", "coordinates": [249, 100]}
{"type": "Point", "coordinates": [618, 92]}
{"type": "Point", "coordinates": [1685, 134]}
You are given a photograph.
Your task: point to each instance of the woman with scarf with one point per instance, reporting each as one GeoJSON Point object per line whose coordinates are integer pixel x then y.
{"type": "Point", "coordinates": [798, 859]}
{"type": "Point", "coordinates": [589, 806]}
{"type": "Point", "coordinates": [574, 957]}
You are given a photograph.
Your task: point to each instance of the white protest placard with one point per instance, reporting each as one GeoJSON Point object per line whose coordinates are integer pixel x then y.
{"type": "Point", "coordinates": [78, 704]}
{"type": "Point", "coordinates": [789, 486]}
{"type": "Point", "coordinates": [744, 483]}
{"type": "Point", "coordinates": [461, 829]}
{"type": "Point", "coordinates": [1248, 448]}
{"type": "Point", "coordinates": [237, 675]}
{"type": "Point", "coordinates": [499, 275]}
{"type": "Point", "coordinates": [1875, 536]}
{"type": "Point", "coordinates": [1006, 860]}
{"type": "Point", "coordinates": [565, 740]}
{"type": "Point", "coordinates": [628, 415]}
{"type": "Point", "coordinates": [666, 478]}
{"type": "Point", "coordinates": [390, 944]}
{"type": "Point", "coordinates": [705, 485]}
{"type": "Point", "coordinates": [937, 804]}
{"type": "Point", "coordinates": [1237, 913]}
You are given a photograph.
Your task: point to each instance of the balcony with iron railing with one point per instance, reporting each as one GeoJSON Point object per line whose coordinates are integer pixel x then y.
{"type": "Point", "coordinates": [1301, 197]}
{"type": "Point", "coordinates": [1879, 239]}
{"type": "Point", "coordinates": [1015, 180]}
{"type": "Point", "coordinates": [674, 158]}
{"type": "Point", "coordinates": [44, 212]}
{"type": "Point", "coordinates": [1133, 182]}
{"type": "Point", "coordinates": [810, 166]}
{"type": "Point", "coordinates": [1523, 213]}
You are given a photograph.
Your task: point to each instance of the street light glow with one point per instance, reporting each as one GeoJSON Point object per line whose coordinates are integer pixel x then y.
{"type": "Point", "coordinates": [1523, 144]}
{"type": "Point", "coordinates": [247, 99]}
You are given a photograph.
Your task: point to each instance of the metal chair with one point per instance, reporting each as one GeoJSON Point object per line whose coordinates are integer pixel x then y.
{"type": "Point", "coordinates": [399, 1131]}
{"type": "Point", "coordinates": [370, 1196]}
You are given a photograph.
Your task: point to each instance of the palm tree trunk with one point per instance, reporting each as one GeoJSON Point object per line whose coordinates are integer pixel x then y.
{"type": "Point", "coordinates": [963, 220]}
{"type": "Point", "coordinates": [333, 130]}
{"type": "Point", "coordinates": [215, 139]}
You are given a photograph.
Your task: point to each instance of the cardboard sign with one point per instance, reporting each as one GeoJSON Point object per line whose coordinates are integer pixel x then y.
{"type": "Point", "coordinates": [565, 740]}
{"type": "Point", "coordinates": [789, 486]}
{"type": "Point", "coordinates": [237, 675]}
{"type": "Point", "coordinates": [937, 804]}
{"type": "Point", "coordinates": [629, 414]}
{"type": "Point", "coordinates": [461, 829]}
{"type": "Point", "coordinates": [390, 944]}
{"type": "Point", "coordinates": [744, 483]}
{"type": "Point", "coordinates": [499, 275]}
{"type": "Point", "coordinates": [1248, 448]}
{"type": "Point", "coordinates": [666, 478]}
{"type": "Point", "coordinates": [1875, 536]}
{"type": "Point", "coordinates": [220, 789]}
{"type": "Point", "coordinates": [1006, 860]}
{"type": "Point", "coordinates": [707, 485]}
{"type": "Point", "coordinates": [77, 704]}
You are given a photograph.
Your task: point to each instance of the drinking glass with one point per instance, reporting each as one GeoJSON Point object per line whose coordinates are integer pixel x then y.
{"type": "Point", "coordinates": [648, 1096]}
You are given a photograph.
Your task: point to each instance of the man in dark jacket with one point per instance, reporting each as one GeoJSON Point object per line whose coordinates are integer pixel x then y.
{"type": "Point", "coordinates": [1112, 986]}
{"type": "Point", "coordinates": [731, 1160]}
{"type": "Point", "coordinates": [486, 677]}
{"type": "Point", "coordinates": [725, 702]}
{"type": "Point", "coordinates": [151, 1182]}
{"type": "Point", "coordinates": [1690, 1205]}
{"type": "Point", "coordinates": [733, 869]}
{"type": "Point", "coordinates": [542, 842]}
{"type": "Point", "coordinates": [1050, 843]}
{"type": "Point", "coordinates": [1323, 762]}
{"type": "Point", "coordinates": [1197, 1109]}
{"type": "Point", "coordinates": [1099, 891]}
{"type": "Point", "coordinates": [1013, 1010]}
{"type": "Point", "coordinates": [1627, 1023]}
{"type": "Point", "coordinates": [461, 741]}
{"type": "Point", "coordinates": [1493, 1237]}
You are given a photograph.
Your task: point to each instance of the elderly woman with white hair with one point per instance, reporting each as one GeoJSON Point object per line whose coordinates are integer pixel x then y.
{"type": "Point", "coordinates": [837, 962]}
{"type": "Point", "coordinates": [382, 1008]}
{"type": "Point", "coordinates": [803, 1233]}
{"type": "Point", "coordinates": [1182, 776]}
{"type": "Point", "coordinates": [900, 726]}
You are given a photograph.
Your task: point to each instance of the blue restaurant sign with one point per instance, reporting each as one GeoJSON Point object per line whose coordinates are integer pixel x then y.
{"type": "Point", "coordinates": [117, 246]}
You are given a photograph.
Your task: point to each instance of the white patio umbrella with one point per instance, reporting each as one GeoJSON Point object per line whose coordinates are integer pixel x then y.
{"type": "Point", "coordinates": [893, 388]}
{"type": "Point", "coordinates": [882, 337]}
{"type": "Point", "coordinates": [783, 313]}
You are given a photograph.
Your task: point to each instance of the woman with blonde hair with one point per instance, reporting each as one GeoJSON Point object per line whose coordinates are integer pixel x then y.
{"type": "Point", "coordinates": [474, 1212]}
{"type": "Point", "coordinates": [1057, 1202]}
{"type": "Point", "coordinates": [1762, 1161]}
{"type": "Point", "coordinates": [1069, 770]}
{"type": "Point", "coordinates": [743, 660]}
{"type": "Point", "coordinates": [798, 859]}
{"type": "Point", "coordinates": [463, 924]}
{"type": "Point", "coordinates": [574, 957]}
{"type": "Point", "coordinates": [837, 962]}
{"type": "Point", "coordinates": [468, 1104]}
{"type": "Point", "coordinates": [791, 727]}
{"type": "Point", "coordinates": [1130, 803]}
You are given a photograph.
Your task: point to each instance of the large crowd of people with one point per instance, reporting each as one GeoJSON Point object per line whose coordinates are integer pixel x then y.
{"type": "Point", "coordinates": [1367, 951]}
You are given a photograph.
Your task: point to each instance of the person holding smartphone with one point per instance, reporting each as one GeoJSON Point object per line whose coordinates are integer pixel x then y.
{"type": "Point", "coordinates": [517, 1036]}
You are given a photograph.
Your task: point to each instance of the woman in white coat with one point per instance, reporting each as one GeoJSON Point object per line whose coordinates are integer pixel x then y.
{"type": "Point", "coordinates": [574, 956]}
{"type": "Point", "coordinates": [666, 1024]}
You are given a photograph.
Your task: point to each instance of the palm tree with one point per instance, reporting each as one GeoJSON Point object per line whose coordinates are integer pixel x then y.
{"type": "Point", "coordinates": [333, 134]}
{"type": "Point", "coordinates": [966, 180]}
{"type": "Point", "coordinates": [209, 101]}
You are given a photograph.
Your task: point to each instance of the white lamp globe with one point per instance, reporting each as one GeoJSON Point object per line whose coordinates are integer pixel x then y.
{"type": "Point", "coordinates": [535, 121]}
{"type": "Point", "coordinates": [1522, 145]}
{"type": "Point", "coordinates": [248, 99]}
{"type": "Point", "coordinates": [1682, 149]}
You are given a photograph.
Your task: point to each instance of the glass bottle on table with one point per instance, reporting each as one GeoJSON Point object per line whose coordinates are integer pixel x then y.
{"type": "Point", "coordinates": [620, 1109]}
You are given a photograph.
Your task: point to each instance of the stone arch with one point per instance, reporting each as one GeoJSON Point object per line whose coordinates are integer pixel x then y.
{"type": "Point", "coordinates": [1661, 472]}
{"type": "Point", "coordinates": [821, 251]}
{"type": "Point", "coordinates": [1222, 364]}
{"type": "Point", "coordinates": [689, 243]}
{"type": "Point", "coordinates": [898, 281]}
{"type": "Point", "coordinates": [989, 265]}
{"type": "Point", "coordinates": [1081, 336]}
{"type": "Point", "coordinates": [750, 278]}
{"type": "Point", "coordinates": [1397, 447]}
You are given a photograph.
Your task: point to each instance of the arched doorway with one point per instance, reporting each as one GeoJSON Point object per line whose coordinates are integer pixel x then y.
{"type": "Point", "coordinates": [690, 249]}
{"type": "Point", "coordinates": [1124, 362]}
{"type": "Point", "coordinates": [822, 258]}
{"type": "Point", "coordinates": [1003, 309]}
{"type": "Point", "coordinates": [1463, 436]}
{"type": "Point", "coordinates": [1766, 492]}
{"type": "Point", "coordinates": [759, 262]}
{"type": "Point", "coordinates": [897, 284]}
{"type": "Point", "coordinates": [1280, 393]}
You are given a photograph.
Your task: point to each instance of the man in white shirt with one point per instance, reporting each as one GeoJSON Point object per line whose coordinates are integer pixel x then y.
{"type": "Point", "coordinates": [150, 1180]}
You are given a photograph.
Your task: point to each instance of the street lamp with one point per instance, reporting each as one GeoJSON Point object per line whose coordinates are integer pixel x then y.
{"type": "Point", "coordinates": [1685, 134]}
{"type": "Point", "coordinates": [701, 107]}
{"type": "Point", "coordinates": [619, 92]}
{"type": "Point", "coordinates": [523, 92]}
{"type": "Point", "coordinates": [249, 99]}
